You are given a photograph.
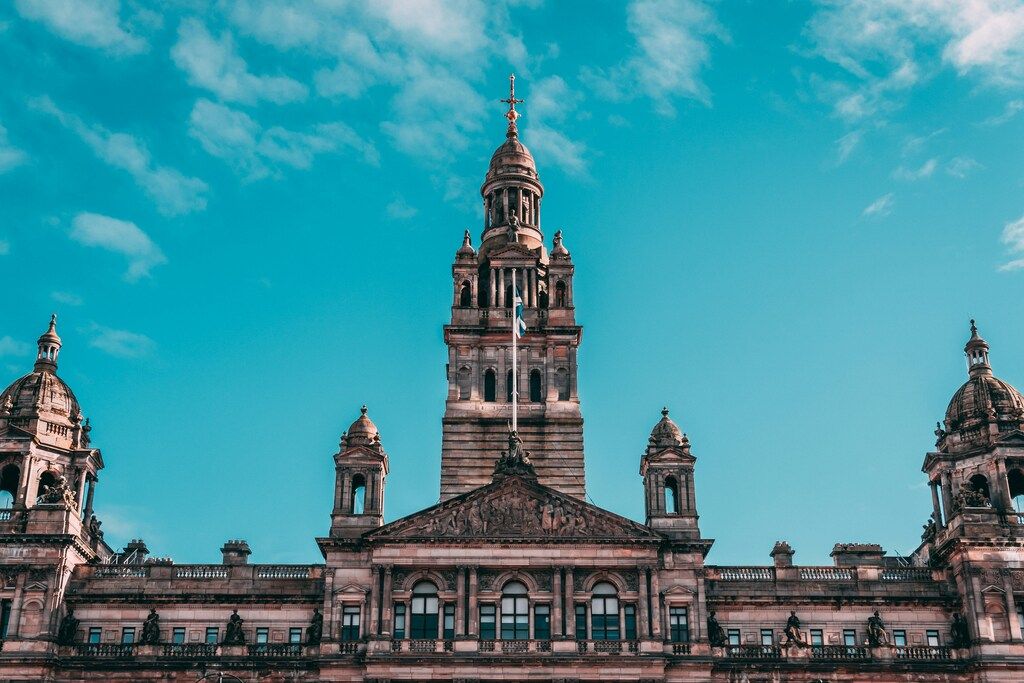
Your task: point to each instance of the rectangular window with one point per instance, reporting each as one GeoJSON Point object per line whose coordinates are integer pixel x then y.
{"type": "Point", "coordinates": [212, 635]}
{"type": "Point", "coordinates": [515, 617]}
{"type": "Point", "coordinates": [399, 630]}
{"type": "Point", "coordinates": [933, 638]}
{"type": "Point", "coordinates": [850, 637]}
{"type": "Point", "coordinates": [262, 635]}
{"type": "Point", "coordinates": [629, 621]}
{"type": "Point", "coordinates": [350, 622]}
{"type": "Point", "coordinates": [423, 622]}
{"type": "Point", "coordinates": [734, 636]}
{"type": "Point", "coordinates": [178, 635]}
{"type": "Point", "coordinates": [5, 617]}
{"type": "Point", "coordinates": [449, 621]}
{"type": "Point", "coordinates": [581, 622]}
{"type": "Point", "coordinates": [295, 635]}
{"type": "Point", "coordinates": [899, 638]}
{"type": "Point", "coordinates": [95, 635]}
{"type": "Point", "coordinates": [767, 636]}
{"type": "Point", "coordinates": [487, 626]}
{"type": "Point", "coordinates": [542, 622]}
{"type": "Point", "coordinates": [1020, 617]}
{"type": "Point", "coordinates": [604, 617]}
{"type": "Point", "coordinates": [817, 637]}
{"type": "Point", "coordinates": [128, 635]}
{"type": "Point", "coordinates": [679, 624]}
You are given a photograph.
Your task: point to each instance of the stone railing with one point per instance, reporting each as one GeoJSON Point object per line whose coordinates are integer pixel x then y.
{"type": "Point", "coordinates": [487, 645]}
{"type": "Point", "coordinates": [680, 648]}
{"type": "Point", "coordinates": [753, 652]}
{"type": "Point", "coordinates": [5, 515]}
{"type": "Point", "coordinates": [422, 646]}
{"type": "Point", "coordinates": [741, 573]}
{"type": "Point", "coordinates": [923, 653]}
{"type": "Point", "coordinates": [190, 650]}
{"type": "Point", "coordinates": [275, 650]}
{"type": "Point", "coordinates": [348, 647]}
{"type": "Point", "coordinates": [283, 571]}
{"type": "Point", "coordinates": [104, 650]}
{"type": "Point", "coordinates": [607, 647]}
{"type": "Point", "coordinates": [120, 571]}
{"type": "Point", "coordinates": [203, 572]}
{"type": "Point", "coordinates": [906, 574]}
{"type": "Point", "coordinates": [200, 571]}
{"type": "Point", "coordinates": [826, 574]}
{"type": "Point", "coordinates": [840, 652]}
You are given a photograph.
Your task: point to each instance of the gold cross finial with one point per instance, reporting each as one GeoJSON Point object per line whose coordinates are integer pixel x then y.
{"type": "Point", "coordinates": [512, 114]}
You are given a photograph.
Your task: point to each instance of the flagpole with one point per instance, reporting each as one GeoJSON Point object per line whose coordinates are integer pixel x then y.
{"type": "Point", "coordinates": [515, 353]}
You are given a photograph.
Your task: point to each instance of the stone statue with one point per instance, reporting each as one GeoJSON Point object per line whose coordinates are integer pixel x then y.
{"type": "Point", "coordinates": [233, 634]}
{"type": "Point", "coordinates": [58, 494]}
{"type": "Point", "coordinates": [315, 630]}
{"type": "Point", "coordinates": [151, 629]}
{"type": "Point", "coordinates": [716, 634]}
{"type": "Point", "coordinates": [792, 631]}
{"type": "Point", "coordinates": [94, 528]}
{"type": "Point", "coordinates": [877, 635]}
{"type": "Point", "coordinates": [930, 529]}
{"type": "Point", "coordinates": [516, 460]}
{"type": "Point", "coordinates": [68, 629]}
{"type": "Point", "coordinates": [960, 634]}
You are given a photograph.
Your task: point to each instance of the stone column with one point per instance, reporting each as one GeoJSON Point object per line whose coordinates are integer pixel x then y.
{"type": "Point", "coordinates": [493, 302]}
{"type": "Point", "coordinates": [557, 602]}
{"type": "Point", "coordinates": [387, 608]}
{"type": "Point", "coordinates": [474, 612]}
{"type": "Point", "coordinates": [934, 486]}
{"type": "Point", "coordinates": [501, 288]}
{"type": "Point", "coordinates": [1001, 487]}
{"type": "Point", "coordinates": [504, 203]}
{"type": "Point", "coordinates": [460, 601]}
{"type": "Point", "coordinates": [549, 373]}
{"type": "Point", "coordinates": [88, 497]}
{"type": "Point", "coordinates": [655, 604]}
{"type": "Point", "coordinates": [14, 626]}
{"type": "Point", "coordinates": [947, 493]}
{"type": "Point", "coordinates": [1011, 607]}
{"type": "Point", "coordinates": [643, 627]}
{"type": "Point", "coordinates": [487, 212]}
{"type": "Point", "coordinates": [533, 287]}
{"type": "Point", "coordinates": [537, 213]}
{"type": "Point", "coordinates": [375, 601]}
{"type": "Point", "coordinates": [570, 604]}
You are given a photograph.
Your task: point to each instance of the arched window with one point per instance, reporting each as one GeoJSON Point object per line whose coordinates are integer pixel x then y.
{"type": "Point", "coordinates": [423, 625]}
{"type": "Point", "coordinates": [671, 496]}
{"type": "Point", "coordinates": [535, 394]}
{"type": "Point", "coordinates": [466, 295]}
{"type": "Point", "coordinates": [10, 477]}
{"type": "Point", "coordinates": [543, 298]}
{"type": "Point", "coordinates": [560, 295]}
{"type": "Point", "coordinates": [46, 480]}
{"type": "Point", "coordinates": [465, 383]}
{"type": "Point", "coordinates": [604, 612]}
{"type": "Point", "coordinates": [490, 388]}
{"type": "Point", "coordinates": [508, 297]}
{"type": "Point", "coordinates": [509, 386]}
{"type": "Point", "coordinates": [562, 382]}
{"type": "Point", "coordinates": [358, 501]}
{"type": "Point", "coordinates": [515, 612]}
{"type": "Point", "coordinates": [1015, 479]}
{"type": "Point", "coordinates": [980, 484]}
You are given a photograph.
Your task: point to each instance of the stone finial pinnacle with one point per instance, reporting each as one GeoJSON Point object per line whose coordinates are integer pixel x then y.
{"type": "Point", "coordinates": [511, 101]}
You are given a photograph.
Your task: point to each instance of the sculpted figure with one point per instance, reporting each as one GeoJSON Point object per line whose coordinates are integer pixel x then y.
{"type": "Point", "coordinates": [792, 631]}
{"type": "Point", "coordinates": [151, 629]}
{"type": "Point", "coordinates": [315, 630]}
{"type": "Point", "coordinates": [716, 634]}
{"type": "Point", "coordinates": [68, 629]}
{"type": "Point", "coordinates": [877, 635]}
{"type": "Point", "coordinates": [233, 634]}
{"type": "Point", "coordinates": [960, 635]}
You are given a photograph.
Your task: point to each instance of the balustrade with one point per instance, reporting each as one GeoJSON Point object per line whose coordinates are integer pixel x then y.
{"type": "Point", "coordinates": [906, 574]}
{"type": "Point", "coordinates": [753, 652]}
{"type": "Point", "coordinates": [826, 573]}
{"type": "Point", "coordinates": [924, 652]}
{"type": "Point", "coordinates": [115, 650]}
{"type": "Point", "coordinates": [275, 650]}
{"type": "Point", "coordinates": [190, 650]}
{"type": "Point", "coordinates": [840, 652]}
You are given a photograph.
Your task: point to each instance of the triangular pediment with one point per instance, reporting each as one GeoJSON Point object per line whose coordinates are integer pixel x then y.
{"type": "Point", "coordinates": [512, 251]}
{"type": "Point", "coordinates": [672, 455]}
{"type": "Point", "coordinates": [1013, 438]}
{"type": "Point", "coordinates": [515, 508]}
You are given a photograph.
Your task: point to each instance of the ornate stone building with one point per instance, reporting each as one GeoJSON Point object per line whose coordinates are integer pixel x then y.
{"type": "Point", "coordinates": [512, 576]}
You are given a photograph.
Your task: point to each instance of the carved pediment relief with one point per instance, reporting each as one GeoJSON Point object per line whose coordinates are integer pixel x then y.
{"type": "Point", "coordinates": [512, 251]}
{"type": "Point", "coordinates": [515, 508]}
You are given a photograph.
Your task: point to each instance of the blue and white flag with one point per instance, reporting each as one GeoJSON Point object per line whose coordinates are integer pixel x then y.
{"type": "Point", "coordinates": [519, 326]}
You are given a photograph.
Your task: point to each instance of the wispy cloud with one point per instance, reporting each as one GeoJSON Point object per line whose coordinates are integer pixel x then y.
{"type": "Point", "coordinates": [9, 346]}
{"type": "Point", "coordinates": [925, 170]}
{"type": "Point", "coordinates": [671, 49]}
{"type": "Point", "coordinates": [1013, 238]}
{"type": "Point", "coordinates": [92, 23]}
{"type": "Point", "coordinates": [120, 343]}
{"type": "Point", "coordinates": [1012, 108]}
{"type": "Point", "coordinates": [846, 145]}
{"type": "Point", "coordinates": [173, 192]}
{"type": "Point", "coordinates": [399, 209]}
{"type": "Point", "coordinates": [213, 63]}
{"type": "Point", "coordinates": [961, 167]}
{"type": "Point", "coordinates": [551, 102]}
{"type": "Point", "coordinates": [238, 139]}
{"type": "Point", "coordinates": [122, 237]}
{"type": "Point", "coordinates": [10, 156]}
{"type": "Point", "coordinates": [67, 298]}
{"type": "Point", "coordinates": [880, 207]}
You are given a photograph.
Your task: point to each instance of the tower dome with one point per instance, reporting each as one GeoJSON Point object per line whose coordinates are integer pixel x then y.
{"type": "Point", "coordinates": [984, 405]}
{"type": "Point", "coordinates": [666, 433]}
{"type": "Point", "coordinates": [362, 432]}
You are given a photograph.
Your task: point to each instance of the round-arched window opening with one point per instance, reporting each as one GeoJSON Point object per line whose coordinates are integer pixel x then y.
{"type": "Point", "coordinates": [423, 622]}
{"type": "Point", "coordinates": [535, 386]}
{"type": "Point", "coordinates": [10, 477]}
{"type": "Point", "coordinates": [358, 502]}
{"type": "Point", "coordinates": [490, 387]}
{"type": "Point", "coordinates": [671, 496]}
{"type": "Point", "coordinates": [1015, 479]}
{"type": "Point", "coordinates": [466, 295]}
{"type": "Point", "coordinates": [47, 480]}
{"type": "Point", "coordinates": [604, 612]}
{"type": "Point", "coordinates": [515, 612]}
{"type": "Point", "coordinates": [980, 484]}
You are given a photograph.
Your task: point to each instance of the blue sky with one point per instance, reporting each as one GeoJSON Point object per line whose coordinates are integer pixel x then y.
{"type": "Point", "coordinates": [782, 215]}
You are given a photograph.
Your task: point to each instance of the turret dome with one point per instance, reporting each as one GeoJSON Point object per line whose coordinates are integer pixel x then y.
{"type": "Point", "coordinates": [666, 433]}
{"type": "Point", "coordinates": [362, 432]}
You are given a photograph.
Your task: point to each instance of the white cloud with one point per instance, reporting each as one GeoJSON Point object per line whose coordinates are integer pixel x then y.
{"type": "Point", "coordinates": [122, 237]}
{"type": "Point", "coordinates": [551, 101]}
{"type": "Point", "coordinates": [92, 23]}
{"type": "Point", "coordinates": [173, 192]}
{"type": "Point", "coordinates": [238, 139]}
{"type": "Point", "coordinates": [846, 145]}
{"type": "Point", "coordinates": [886, 47]}
{"type": "Point", "coordinates": [1013, 238]}
{"type": "Point", "coordinates": [67, 298]}
{"type": "Point", "coordinates": [399, 209]}
{"type": "Point", "coordinates": [880, 207]}
{"type": "Point", "coordinates": [9, 346]}
{"type": "Point", "coordinates": [1012, 108]}
{"type": "Point", "coordinates": [925, 170]}
{"type": "Point", "coordinates": [671, 49]}
{"type": "Point", "coordinates": [961, 167]}
{"type": "Point", "coordinates": [214, 64]}
{"type": "Point", "coordinates": [120, 343]}
{"type": "Point", "coordinates": [10, 156]}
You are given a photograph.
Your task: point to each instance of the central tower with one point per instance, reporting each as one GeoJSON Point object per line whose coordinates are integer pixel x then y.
{"type": "Point", "coordinates": [478, 409]}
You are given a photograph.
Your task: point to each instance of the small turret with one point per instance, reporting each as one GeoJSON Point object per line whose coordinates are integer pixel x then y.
{"type": "Point", "coordinates": [49, 348]}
